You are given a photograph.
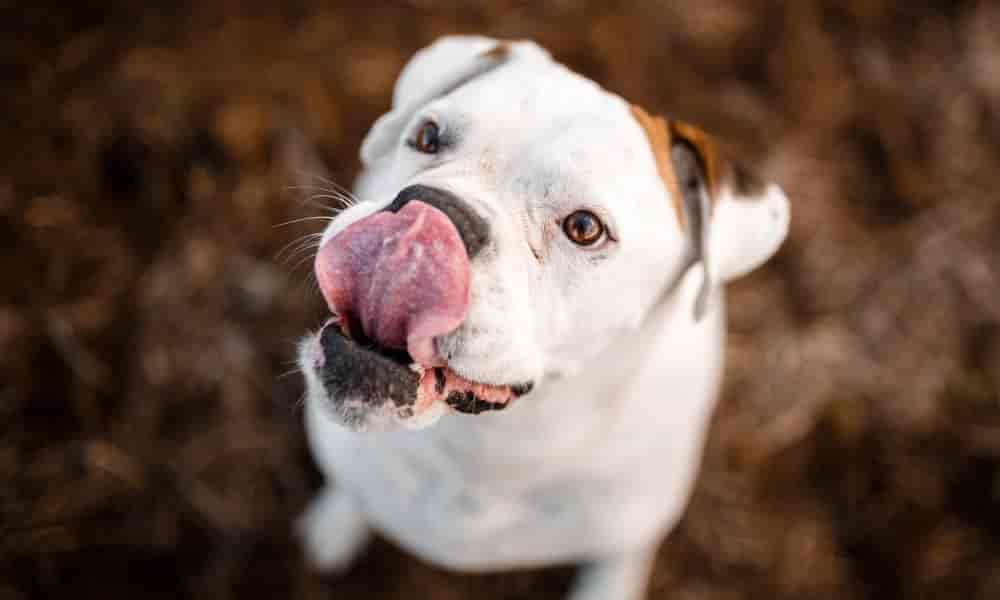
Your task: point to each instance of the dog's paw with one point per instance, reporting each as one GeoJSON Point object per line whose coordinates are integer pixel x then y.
{"type": "Point", "coordinates": [333, 531]}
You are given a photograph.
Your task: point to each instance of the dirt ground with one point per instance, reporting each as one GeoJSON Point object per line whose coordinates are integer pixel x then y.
{"type": "Point", "coordinates": [150, 437]}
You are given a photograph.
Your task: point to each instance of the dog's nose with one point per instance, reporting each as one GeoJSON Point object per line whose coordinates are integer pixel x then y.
{"type": "Point", "coordinates": [473, 229]}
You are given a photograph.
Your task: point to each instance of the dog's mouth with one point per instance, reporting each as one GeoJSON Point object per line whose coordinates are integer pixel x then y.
{"type": "Point", "coordinates": [352, 365]}
{"type": "Point", "coordinates": [396, 281]}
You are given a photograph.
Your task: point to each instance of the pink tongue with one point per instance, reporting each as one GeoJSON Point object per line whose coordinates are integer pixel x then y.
{"type": "Point", "coordinates": [403, 276]}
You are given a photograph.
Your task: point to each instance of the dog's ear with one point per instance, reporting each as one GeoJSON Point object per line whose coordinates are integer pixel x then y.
{"type": "Point", "coordinates": [732, 220]}
{"type": "Point", "coordinates": [433, 72]}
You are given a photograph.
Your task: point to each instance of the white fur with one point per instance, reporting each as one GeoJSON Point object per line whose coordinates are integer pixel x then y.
{"type": "Point", "coordinates": [596, 464]}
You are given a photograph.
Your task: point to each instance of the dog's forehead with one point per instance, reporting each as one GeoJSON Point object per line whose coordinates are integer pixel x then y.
{"type": "Point", "coordinates": [545, 112]}
{"type": "Point", "coordinates": [533, 91]}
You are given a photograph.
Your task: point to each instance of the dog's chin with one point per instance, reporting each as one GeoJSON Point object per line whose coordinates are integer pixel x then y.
{"type": "Point", "coordinates": [367, 388]}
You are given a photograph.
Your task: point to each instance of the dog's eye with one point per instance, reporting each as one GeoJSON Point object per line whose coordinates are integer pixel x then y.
{"type": "Point", "coordinates": [427, 139]}
{"type": "Point", "coordinates": [583, 228]}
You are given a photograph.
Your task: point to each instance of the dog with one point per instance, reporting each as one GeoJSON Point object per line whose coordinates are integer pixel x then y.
{"type": "Point", "coordinates": [527, 321]}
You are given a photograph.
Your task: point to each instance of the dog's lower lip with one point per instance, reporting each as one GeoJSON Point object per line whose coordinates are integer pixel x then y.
{"type": "Point", "coordinates": [516, 389]}
{"type": "Point", "coordinates": [469, 396]}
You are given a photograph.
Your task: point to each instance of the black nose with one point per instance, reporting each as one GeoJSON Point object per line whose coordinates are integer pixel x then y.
{"type": "Point", "coordinates": [473, 229]}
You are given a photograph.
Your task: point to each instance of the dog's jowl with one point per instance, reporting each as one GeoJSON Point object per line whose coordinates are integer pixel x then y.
{"type": "Point", "coordinates": [526, 323]}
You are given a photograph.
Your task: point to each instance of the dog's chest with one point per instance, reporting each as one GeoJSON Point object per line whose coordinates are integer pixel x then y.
{"type": "Point", "coordinates": [462, 501]}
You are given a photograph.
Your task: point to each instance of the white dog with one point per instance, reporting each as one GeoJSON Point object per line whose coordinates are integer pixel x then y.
{"type": "Point", "coordinates": [524, 240]}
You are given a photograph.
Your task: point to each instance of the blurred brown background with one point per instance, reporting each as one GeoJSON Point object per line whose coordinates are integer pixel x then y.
{"type": "Point", "coordinates": [149, 429]}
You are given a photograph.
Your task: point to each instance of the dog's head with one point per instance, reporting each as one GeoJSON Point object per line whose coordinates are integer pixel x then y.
{"type": "Point", "coordinates": [514, 219]}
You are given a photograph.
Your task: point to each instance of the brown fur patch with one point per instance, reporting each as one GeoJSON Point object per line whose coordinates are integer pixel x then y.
{"type": "Point", "coordinates": [712, 162]}
{"type": "Point", "coordinates": [488, 60]}
{"type": "Point", "coordinates": [658, 132]}
{"type": "Point", "coordinates": [499, 52]}
{"type": "Point", "coordinates": [662, 133]}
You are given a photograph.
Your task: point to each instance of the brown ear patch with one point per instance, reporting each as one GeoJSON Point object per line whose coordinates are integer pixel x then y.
{"type": "Point", "coordinates": [487, 61]}
{"type": "Point", "coordinates": [707, 151]}
{"type": "Point", "coordinates": [663, 133]}
{"type": "Point", "coordinates": [499, 52]}
{"type": "Point", "coordinates": [659, 135]}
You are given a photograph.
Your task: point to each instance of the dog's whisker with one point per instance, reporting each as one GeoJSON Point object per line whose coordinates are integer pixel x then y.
{"type": "Point", "coordinates": [309, 256]}
{"type": "Point", "coordinates": [333, 210]}
{"type": "Point", "coordinates": [333, 185]}
{"type": "Point", "coordinates": [288, 247]}
{"type": "Point", "coordinates": [296, 244]}
{"type": "Point", "coordinates": [311, 198]}
{"type": "Point", "coordinates": [301, 254]}
{"type": "Point", "coordinates": [330, 182]}
{"type": "Point", "coordinates": [304, 252]}
{"type": "Point", "coordinates": [309, 176]}
{"type": "Point", "coordinates": [288, 373]}
{"type": "Point", "coordinates": [345, 200]}
{"type": "Point", "coordinates": [303, 220]}
{"type": "Point", "coordinates": [311, 188]}
{"type": "Point", "coordinates": [294, 261]}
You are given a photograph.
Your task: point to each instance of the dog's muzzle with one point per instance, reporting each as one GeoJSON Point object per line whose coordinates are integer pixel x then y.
{"type": "Point", "coordinates": [396, 281]}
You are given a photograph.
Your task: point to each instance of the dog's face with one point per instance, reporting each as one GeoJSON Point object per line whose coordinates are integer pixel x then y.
{"type": "Point", "coordinates": [515, 218]}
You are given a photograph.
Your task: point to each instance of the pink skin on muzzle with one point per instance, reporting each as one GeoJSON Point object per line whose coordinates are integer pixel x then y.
{"type": "Point", "coordinates": [403, 277]}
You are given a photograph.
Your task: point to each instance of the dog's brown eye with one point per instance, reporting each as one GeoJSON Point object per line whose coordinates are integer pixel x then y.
{"type": "Point", "coordinates": [427, 140]}
{"type": "Point", "coordinates": [583, 228]}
